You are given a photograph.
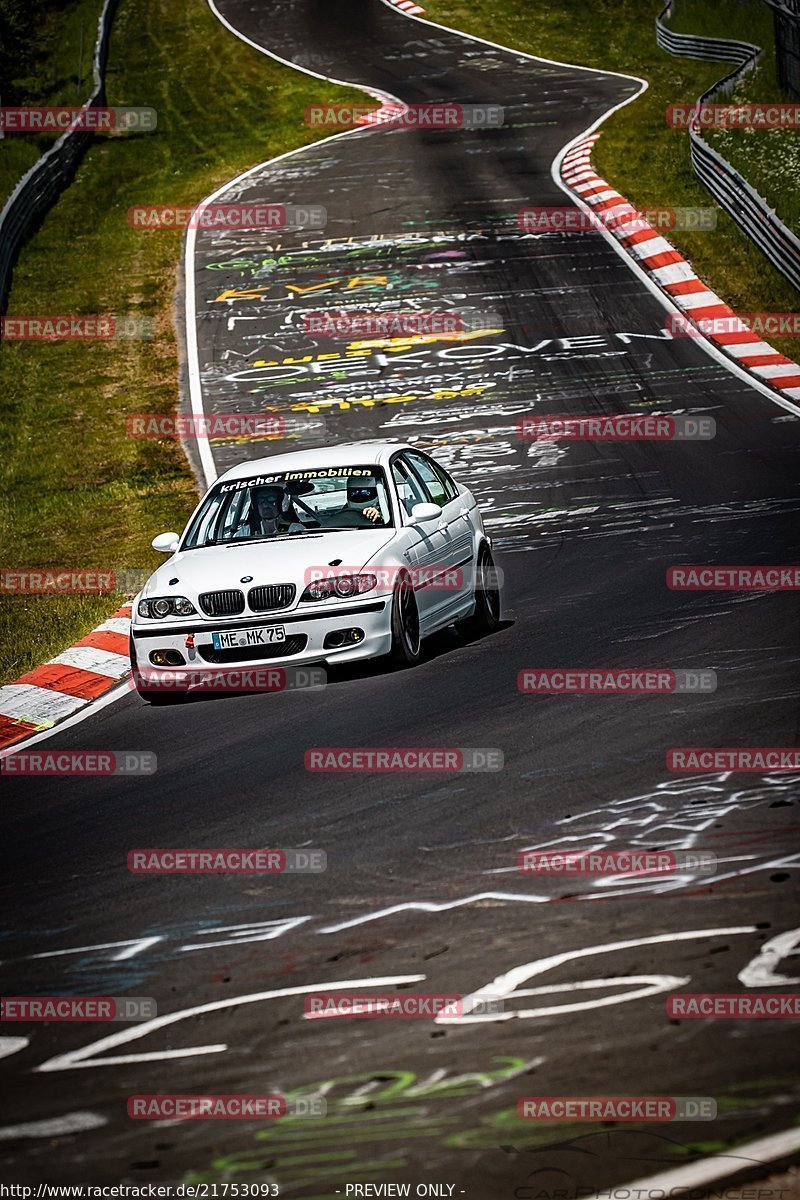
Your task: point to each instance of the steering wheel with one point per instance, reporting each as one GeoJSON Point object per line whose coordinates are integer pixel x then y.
{"type": "Point", "coordinates": [350, 519]}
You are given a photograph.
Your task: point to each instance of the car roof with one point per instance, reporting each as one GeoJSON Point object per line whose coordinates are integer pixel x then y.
{"type": "Point", "coordinates": [344, 454]}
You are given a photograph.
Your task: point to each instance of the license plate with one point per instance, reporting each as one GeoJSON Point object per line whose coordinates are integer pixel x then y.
{"type": "Point", "coordinates": [233, 639]}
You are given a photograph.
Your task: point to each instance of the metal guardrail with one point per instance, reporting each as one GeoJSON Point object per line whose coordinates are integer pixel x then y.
{"type": "Point", "coordinates": [787, 43]}
{"type": "Point", "coordinates": [732, 192]}
{"type": "Point", "coordinates": [40, 187]}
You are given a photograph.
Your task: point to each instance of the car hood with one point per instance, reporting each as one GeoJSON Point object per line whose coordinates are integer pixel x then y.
{"type": "Point", "coordinates": [215, 568]}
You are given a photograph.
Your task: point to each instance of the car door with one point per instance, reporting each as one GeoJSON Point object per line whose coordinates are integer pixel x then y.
{"type": "Point", "coordinates": [422, 544]}
{"type": "Point", "coordinates": [450, 558]}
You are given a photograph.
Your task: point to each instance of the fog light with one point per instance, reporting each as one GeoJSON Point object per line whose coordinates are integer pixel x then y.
{"type": "Point", "coordinates": [167, 658]}
{"type": "Point", "coordinates": [343, 637]}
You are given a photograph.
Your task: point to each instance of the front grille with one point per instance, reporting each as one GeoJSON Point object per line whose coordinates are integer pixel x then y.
{"type": "Point", "coordinates": [292, 645]}
{"type": "Point", "coordinates": [274, 595]}
{"type": "Point", "coordinates": [222, 604]}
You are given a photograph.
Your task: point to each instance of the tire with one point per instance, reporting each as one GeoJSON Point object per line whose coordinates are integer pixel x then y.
{"type": "Point", "coordinates": [486, 616]}
{"type": "Point", "coordinates": [154, 696]}
{"type": "Point", "coordinates": [406, 648]}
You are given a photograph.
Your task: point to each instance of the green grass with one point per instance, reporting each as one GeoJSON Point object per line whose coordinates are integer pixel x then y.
{"type": "Point", "coordinates": [48, 62]}
{"type": "Point", "coordinates": [638, 153]}
{"type": "Point", "coordinates": [76, 491]}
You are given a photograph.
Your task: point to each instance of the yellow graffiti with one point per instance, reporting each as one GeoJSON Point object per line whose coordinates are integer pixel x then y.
{"type": "Point", "coordinates": [250, 294]}
{"type": "Point", "coordinates": [363, 349]}
{"type": "Point", "coordinates": [354, 281]}
{"type": "Point", "coordinates": [316, 406]}
{"type": "Point", "coordinates": [422, 339]}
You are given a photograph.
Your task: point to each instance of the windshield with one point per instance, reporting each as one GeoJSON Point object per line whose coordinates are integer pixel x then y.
{"type": "Point", "coordinates": [291, 504]}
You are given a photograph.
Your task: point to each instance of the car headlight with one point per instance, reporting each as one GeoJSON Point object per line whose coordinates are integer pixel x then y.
{"type": "Point", "coordinates": [166, 606]}
{"type": "Point", "coordinates": [342, 586]}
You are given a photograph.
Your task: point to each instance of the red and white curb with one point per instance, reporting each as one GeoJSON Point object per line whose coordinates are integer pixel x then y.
{"type": "Point", "coordinates": [669, 269]}
{"type": "Point", "coordinates": [50, 693]}
{"type": "Point", "coordinates": [407, 6]}
{"type": "Point", "coordinates": [385, 115]}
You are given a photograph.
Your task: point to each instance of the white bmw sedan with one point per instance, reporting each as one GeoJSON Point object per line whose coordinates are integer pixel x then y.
{"type": "Point", "coordinates": [320, 556]}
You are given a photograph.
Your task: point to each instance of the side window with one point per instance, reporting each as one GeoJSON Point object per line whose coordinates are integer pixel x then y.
{"type": "Point", "coordinates": [449, 484]}
{"type": "Point", "coordinates": [204, 525]}
{"type": "Point", "coordinates": [408, 486]}
{"type": "Point", "coordinates": [434, 485]}
{"type": "Point", "coordinates": [236, 513]}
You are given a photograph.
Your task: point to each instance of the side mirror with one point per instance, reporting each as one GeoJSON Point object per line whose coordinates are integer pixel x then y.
{"type": "Point", "coordinates": [425, 512]}
{"type": "Point", "coordinates": [166, 543]}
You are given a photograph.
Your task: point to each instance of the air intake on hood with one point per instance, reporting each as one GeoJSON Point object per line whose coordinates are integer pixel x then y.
{"type": "Point", "coordinates": [222, 604]}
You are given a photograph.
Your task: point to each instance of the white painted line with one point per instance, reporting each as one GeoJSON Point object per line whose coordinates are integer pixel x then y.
{"type": "Point", "coordinates": [81, 1057]}
{"type": "Point", "coordinates": [707, 1170]}
{"type": "Point", "coordinates": [12, 1045]}
{"type": "Point", "coordinates": [75, 1122]}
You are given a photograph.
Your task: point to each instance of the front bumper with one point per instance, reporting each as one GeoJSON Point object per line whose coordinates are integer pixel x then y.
{"type": "Point", "coordinates": [305, 637]}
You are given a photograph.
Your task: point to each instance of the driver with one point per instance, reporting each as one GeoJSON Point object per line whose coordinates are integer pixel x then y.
{"type": "Point", "coordinates": [362, 498]}
{"type": "Point", "coordinates": [271, 513]}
